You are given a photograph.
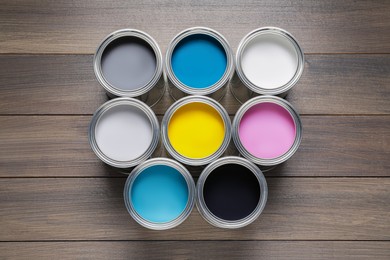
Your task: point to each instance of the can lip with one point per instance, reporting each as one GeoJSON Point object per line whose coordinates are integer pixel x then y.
{"type": "Point", "coordinates": [106, 42]}
{"type": "Point", "coordinates": [229, 56]}
{"type": "Point", "coordinates": [276, 31]}
{"type": "Point", "coordinates": [130, 102]}
{"type": "Point", "coordinates": [216, 221]}
{"type": "Point", "coordinates": [192, 99]}
{"type": "Point", "coordinates": [191, 193]}
{"type": "Point", "coordinates": [263, 99]}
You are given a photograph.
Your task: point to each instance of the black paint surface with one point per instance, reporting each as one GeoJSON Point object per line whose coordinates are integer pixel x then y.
{"type": "Point", "coordinates": [231, 192]}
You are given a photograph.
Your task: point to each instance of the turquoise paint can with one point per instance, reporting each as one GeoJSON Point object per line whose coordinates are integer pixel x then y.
{"type": "Point", "coordinates": [159, 194]}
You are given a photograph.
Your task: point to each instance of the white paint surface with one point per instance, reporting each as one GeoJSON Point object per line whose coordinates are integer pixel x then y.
{"type": "Point", "coordinates": [124, 133]}
{"type": "Point", "coordinates": [269, 61]}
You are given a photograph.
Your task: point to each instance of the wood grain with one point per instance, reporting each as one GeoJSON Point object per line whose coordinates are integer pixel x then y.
{"type": "Point", "coordinates": [78, 27]}
{"type": "Point", "coordinates": [43, 146]}
{"type": "Point", "coordinates": [65, 84]}
{"type": "Point", "coordinates": [197, 250]}
{"type": "Point", "coordinates": [93, 209]}
{"type": "Point", "coordinates": [329, 201]}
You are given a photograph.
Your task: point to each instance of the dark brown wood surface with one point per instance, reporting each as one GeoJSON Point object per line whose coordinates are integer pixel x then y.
{"type": "Point", "coordinates": [332, 146]}
{"type": "Point", "coordinates": [37, 209]}
{"type": "Point", "coordinates": [66, 84]}
{"type": "Point", "coordinates": [255, 250]}
{"type": "Point", "coordinates": [57, 200]}
{"type": "Point", "coordinates": [77, 27]}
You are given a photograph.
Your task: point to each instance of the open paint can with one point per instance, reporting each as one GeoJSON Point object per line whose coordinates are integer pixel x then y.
{"type": "Point", "coordinates": [196, 130]}
{"type": "Point", "coordinates": [124, 132]}
{"type": "Point", "coordinates": [128, 63]}
{"type": "Point", "coordinates": [267, 130]}
{"type": "Point", "coordinates": [199, 61]}
{"type": "Point", "coordinates": [269, 61]}
{"type": "Point", "coordinates": [231, 192]}
{"type": "Point", "coordinates": [159, 193]}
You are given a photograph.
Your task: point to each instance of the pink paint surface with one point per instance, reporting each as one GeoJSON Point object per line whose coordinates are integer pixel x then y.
{"type": "Point", "coordinates": [267, 130]}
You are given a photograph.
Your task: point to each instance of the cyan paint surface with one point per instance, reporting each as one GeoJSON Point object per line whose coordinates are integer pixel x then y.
{"type": "Point", "coordinates": [159, 194]}
{"type": "Point", "coordinates": [199, 61]}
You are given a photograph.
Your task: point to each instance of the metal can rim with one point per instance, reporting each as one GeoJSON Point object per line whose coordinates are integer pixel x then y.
{"type": "Point", "coordinates": [193, 99]}
{"type": "Point", "coordinates": [229, 66]}
{"type": "Point", "coordinates": [216, 221]}
{"type": "Point", "coordinates": [269, 30]}
{"type": "Point", "coordinates": [191, 193]}
{"type": "Point", "coordinates": [113, 103]}
{"type": "Point", "coordinates": [263, 99]}
{"type": "Point", "coordinates": [106, 42]}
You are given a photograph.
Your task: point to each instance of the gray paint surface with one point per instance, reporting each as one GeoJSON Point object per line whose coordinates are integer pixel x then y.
{"type": "Point", "coordinates": [128, 63]}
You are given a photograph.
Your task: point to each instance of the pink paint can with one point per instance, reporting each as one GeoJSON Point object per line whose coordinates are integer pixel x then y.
{"type": "Point", "coordinates": [267, 130]}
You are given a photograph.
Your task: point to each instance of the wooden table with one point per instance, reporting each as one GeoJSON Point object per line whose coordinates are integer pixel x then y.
{"type": "Point", "coordinates": [57, 200]}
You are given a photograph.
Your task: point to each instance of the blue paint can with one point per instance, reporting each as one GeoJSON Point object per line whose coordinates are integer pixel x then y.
{"type": "Point", "coordinates": [199, 61]}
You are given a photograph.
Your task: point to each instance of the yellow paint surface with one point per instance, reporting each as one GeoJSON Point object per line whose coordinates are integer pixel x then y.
{"type": "Point", "coordinates": [196, 130]}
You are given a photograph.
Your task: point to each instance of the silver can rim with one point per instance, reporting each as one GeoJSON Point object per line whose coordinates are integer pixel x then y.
{"type": "Point", "coordinates": [267, 99]}
{"type": "Point", "coordinates": [191, 193]}
{"type": "Point", "coordinates": [194, 99]}
{"type": "Point", "coordinates": [276, 31]}
{"type": "Point", "coordinates": [222, 223]}
{"type": "Point", "coordinates": [229, 66]}
{"type": "Point", "coordinates": [106, 42]}
{"type": "Point", "coordinates": [130, 102]}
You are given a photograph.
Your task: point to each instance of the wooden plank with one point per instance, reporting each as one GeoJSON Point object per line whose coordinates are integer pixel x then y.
{"type": "Point", "coordinates": [62, 84]}
{"type": "Point", "coordinates": [78, 27]}
{"type": "Point", "coordinates": [43, 146]}
{"type": "Point", "coordinates": [93, 209]}
{"type": "Point", "coordinates": [197, 250]}
{"type": "Point", "coordinates": [59, 84]}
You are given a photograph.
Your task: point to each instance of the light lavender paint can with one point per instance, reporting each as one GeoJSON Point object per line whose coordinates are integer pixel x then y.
{"type": "Point", "coordinates": [124, 132]}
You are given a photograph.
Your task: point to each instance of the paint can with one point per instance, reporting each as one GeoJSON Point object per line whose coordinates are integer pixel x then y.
{"type": "Point", "coordinates": [199, 61]}
{"type": "Point", "coordinates": [128, 63]}
{"type": "Point", "coordinates": [269, 61]}
{"type": "Point", "coordinates": [159, 194]}
{"type": "Point", "coordinates": [124, 132]}
{"type": "Point", "coordinates": [196, 130]}
{"type": "Point", "coordinates": [231, 192]}
{"type": "Point", "coordinates": [267, 130]}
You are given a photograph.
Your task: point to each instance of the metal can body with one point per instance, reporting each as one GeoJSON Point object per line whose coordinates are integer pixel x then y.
{"type": "Point", "coordinates": [152, 88]}
{"type": "Point", "coordinates": [213, 110]}
{"type": "Point", "coordinates": [272, 44]}
{"type": "Point", "coordinates": [217, 89]}
{"type": "Point", "coordinates": [107, 125]}
{"type": "Point", "coordinates": [293, 117]}
{"type": "Point", "coordinates": [132, 208]}
{"type": "Point", "coordinates": [261, 198]}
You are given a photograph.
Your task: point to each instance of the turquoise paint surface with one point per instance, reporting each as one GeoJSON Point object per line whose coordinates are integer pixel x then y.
{"type": "Point", "coordinates": [159, 194]}
{"type": "Point", "coordinates": [199, 61]}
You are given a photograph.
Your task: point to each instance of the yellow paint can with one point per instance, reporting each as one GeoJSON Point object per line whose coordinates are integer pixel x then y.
{"type": "Point", "coordinates": [196, 129]}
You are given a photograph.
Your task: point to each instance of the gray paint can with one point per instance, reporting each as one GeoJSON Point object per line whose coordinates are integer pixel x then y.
{"type": "Point", "coordinates": [128, 63]}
